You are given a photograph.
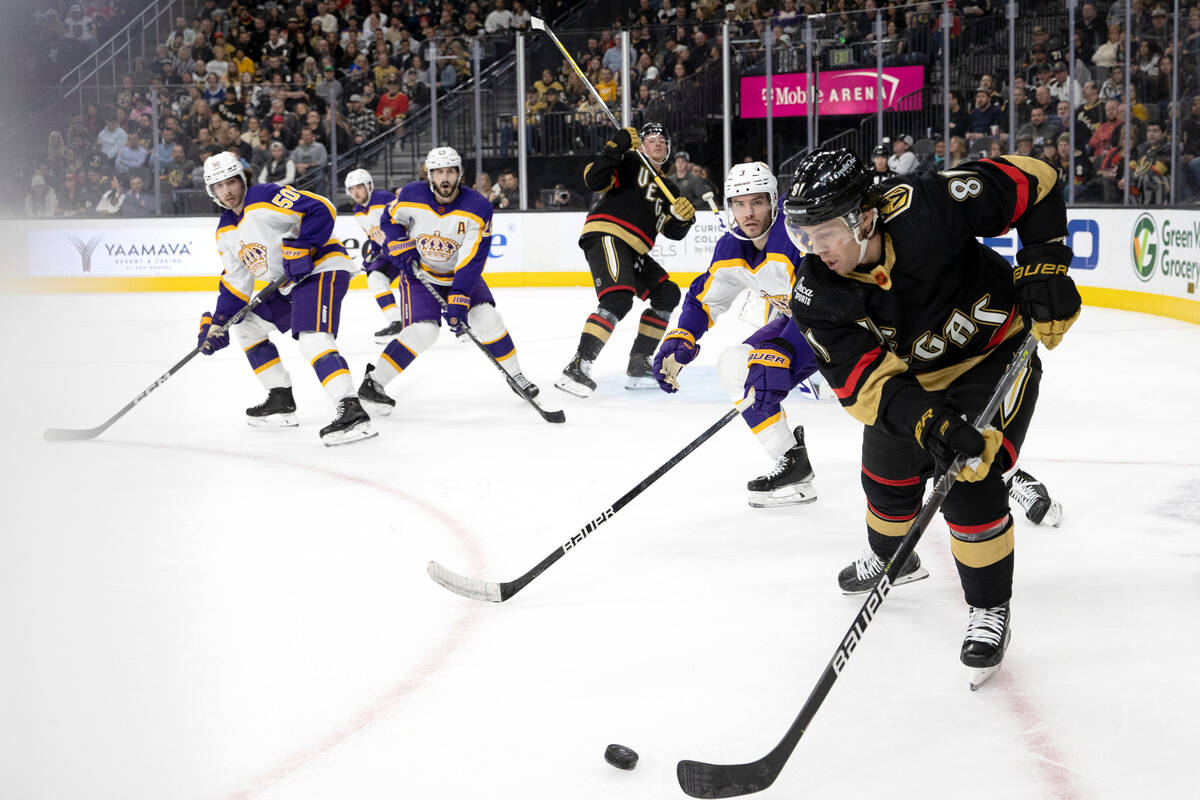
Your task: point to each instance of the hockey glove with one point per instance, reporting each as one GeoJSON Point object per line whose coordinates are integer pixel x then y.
{"type": "Point", "coordinates": [622, 142]}
{"type": "Point", "coordinates": [456, 313]}
{"type": "Point", "coordinates": [946, 435]}
{"type": "Point", "coordinates": [1046, 295]}
{"type": "Point", "coordinates": [683, 210]}
{"type": "Point", "coordinates": [677, 349]}
{"type": "Point", "coordinates": [770, 374]}
{"type": "Point", "coordinates": [208, 324]}
{"type": "Point", "coordinates": [297, 261]}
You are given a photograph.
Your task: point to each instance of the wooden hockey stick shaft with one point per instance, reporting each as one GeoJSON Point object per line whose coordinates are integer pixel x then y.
{"type": "Point", "coordinates": [74, 434]}
{"type": "Point", "coordinates": [540, 25]}
{"type": "Point", "coordinates": [700, 779]}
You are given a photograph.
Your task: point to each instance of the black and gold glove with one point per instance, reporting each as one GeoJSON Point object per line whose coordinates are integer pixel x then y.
{"type": "Point", "coordinates": [946, 435]}
{"type": "Point", "coordinates": [683, 209]}
{"type": "Point", "coordinates": [1046, 295]}
{"type": "Point", "coordinates": [622, 142]}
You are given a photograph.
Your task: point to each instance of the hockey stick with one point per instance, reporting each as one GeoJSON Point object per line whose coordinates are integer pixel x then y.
{"type": "Point", "coordinates": [477, 589]}
{"type": "Point", "coordinates": [540, 25]}
{"type": "Point", "coordinates": [699, 779]}
{"type": "Point", "coordinates": [549, 416]}
{"type": "Point", "coordinates": [74, 434]}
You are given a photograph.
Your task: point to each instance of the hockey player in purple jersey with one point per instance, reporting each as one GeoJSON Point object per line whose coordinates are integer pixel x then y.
{"type": "Point", "coordinates": [266, 232]}
{"type": "Point", "coordinates": [756, 254]}
{"type": "Point", "coordinates": [370, 205]}
{"type": "Point", "coordinates": [444, 230]}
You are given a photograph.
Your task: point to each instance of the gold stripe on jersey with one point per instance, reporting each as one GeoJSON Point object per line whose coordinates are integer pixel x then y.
{"type": "Point", "coordinates": [628, 237]}
{"type": "Point", "coordinates": [1044, 174]}
{"type": "Point", "coordinates": [865, 408]}
{"type": "Point", "coordinates": [939, 379]}
{"type": "Point", "coordinates": [983, 554]}
{"type": "Point", "coordinates": [457, 212]}
{"type": "Point", "coordinates": [328, 205]}
{"type": "Point", "coordinates": [233, 291]}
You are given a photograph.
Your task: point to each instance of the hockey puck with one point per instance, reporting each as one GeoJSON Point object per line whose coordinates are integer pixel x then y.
{"type": "Point", "coordinates": [620, 756]}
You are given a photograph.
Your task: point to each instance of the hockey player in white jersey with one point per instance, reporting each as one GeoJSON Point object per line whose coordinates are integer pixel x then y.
{"type": "Point", "coordinates": [369, 207]}
{"type": "Point", "coordinates": [755, 254]}
{"type": "Point", "coordinates": [444, 230]}
{"type": "Point", "coordinates": [268, 231]}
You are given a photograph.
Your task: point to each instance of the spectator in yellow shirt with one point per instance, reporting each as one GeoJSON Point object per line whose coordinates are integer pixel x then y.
{"type": "Point", "coordinates": [606, 87]}
{"type": "Point", "coordinates": [547, 82]}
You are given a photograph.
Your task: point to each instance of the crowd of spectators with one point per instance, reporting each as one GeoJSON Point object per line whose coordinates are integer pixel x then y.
{"type": "Point", "coordinates": [282, 84]}
{"type": "Point", "coordinates": [277, 84]}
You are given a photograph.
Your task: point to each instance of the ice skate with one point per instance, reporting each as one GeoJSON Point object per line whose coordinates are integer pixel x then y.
{"type": "Point", "coordinates": [576, 377]}
{"type": "Point", "coordinates": [985, 642]}
{"type": "Point", "coordinates": [522, 385]}
{"type": "Point", "coordinates": [862, 576]}
{"type": "Point", "coordinates": [640, 374]}
{"type": "Point", "coordinates": [789, 483]}
{"type": "Point", "coordinates": [371, 392]}
{"type": "Point", "coordinates": [351, 425]}
{"type": "Point", "coordinates": [277, 411]}
{"type": "Point", "coordinates": [385, 335]}
{"type": "Point", "coordinates": [1032, 495]}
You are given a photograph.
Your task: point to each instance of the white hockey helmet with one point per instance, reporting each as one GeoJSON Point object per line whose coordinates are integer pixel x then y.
{"type": "Point", "coordinates": [439, 158]}
{"type": "Point", "coordinates": [219, 167]}
{"type": "Point", "coordinates": [359, 177]}
{"type": "Point", "coordinates": [754, 178]}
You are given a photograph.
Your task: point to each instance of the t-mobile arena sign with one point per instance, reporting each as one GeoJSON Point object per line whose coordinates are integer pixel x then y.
{"type": "Point", "coordinates": [843, 91]}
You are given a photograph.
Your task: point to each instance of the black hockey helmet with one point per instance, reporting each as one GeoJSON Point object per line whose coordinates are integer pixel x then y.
{"type": "Point", "coordinates": [827, 184]}
{"type": "Point", "coordinates": [656, 129]}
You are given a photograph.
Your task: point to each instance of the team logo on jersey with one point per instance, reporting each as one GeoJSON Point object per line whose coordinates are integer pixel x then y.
{"type": "Point", "coordinates": [779, 302]}
{"type": "Point", "coordinates": [253, 257]}
{"type": "Point", "coordinates": [1144, 250]}
{"type": "Point", "coordinates": [435, 247]}
{"type": "Point", "coordinates": [895, 201]}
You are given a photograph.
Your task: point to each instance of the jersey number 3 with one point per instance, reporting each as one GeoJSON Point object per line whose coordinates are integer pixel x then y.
{"type": "Point", "coordinates": [286, 196]}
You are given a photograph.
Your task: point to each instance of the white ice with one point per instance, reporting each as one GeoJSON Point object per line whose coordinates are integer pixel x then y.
{"type": "Point", "coordinates": [190, 608]}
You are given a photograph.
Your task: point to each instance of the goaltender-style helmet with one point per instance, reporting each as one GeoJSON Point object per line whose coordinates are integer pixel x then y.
{"type": "Point", "coordinates": [827, 184]}
{"type": "Point", "coordinates": [746, 179]}
{"type": "Point", "coordinates": [219, 167]}
{"type": "Point", "coordinates": [439, 158]}
{"type": "Point", "coordinates": [359, 177]}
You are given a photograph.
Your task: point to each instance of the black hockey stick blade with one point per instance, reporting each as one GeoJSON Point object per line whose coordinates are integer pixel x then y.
{"type": "Point", "coordinates": [699, 779]}
{"type": "Point", "coordinates": [489, 591]}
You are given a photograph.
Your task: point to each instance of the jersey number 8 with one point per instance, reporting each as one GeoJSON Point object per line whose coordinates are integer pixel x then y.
{"type": "Point", "coordinates": [286, 196]}
{"type": "Point", "coordinates": [962, 188]}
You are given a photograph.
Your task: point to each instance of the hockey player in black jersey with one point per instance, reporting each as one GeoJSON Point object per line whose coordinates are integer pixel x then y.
{"type": "Point", "coordinates": [616, 239]}
{"type": "Point", "coordinates": [913, 322]}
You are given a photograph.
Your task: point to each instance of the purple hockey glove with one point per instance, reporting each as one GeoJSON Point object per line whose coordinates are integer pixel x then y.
{"type": "Point", "coordinates": [211, 344]}
{"type": "Point", "coordinates": [770, 374]}
{"type": "Point", "coordinates": [678, 348]}
{"type": "Point", "coordinates": [297, 261]}
{"type": "Point", "coordinates": [456, 312]}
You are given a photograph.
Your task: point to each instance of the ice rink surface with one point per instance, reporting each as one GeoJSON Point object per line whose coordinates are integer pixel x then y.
{"type": "Point", "coordinates": [195, 609]}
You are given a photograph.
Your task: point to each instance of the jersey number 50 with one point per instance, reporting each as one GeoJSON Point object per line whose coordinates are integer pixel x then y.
{"type": "Point", "coordinates": [286, 196]}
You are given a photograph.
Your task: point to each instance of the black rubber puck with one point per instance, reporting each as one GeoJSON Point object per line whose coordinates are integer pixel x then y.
{"type": "Point", "coordinates": [620, 756]}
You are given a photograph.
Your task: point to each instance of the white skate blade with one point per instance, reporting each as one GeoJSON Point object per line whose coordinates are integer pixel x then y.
{"type": "Point", "coordinates": [981, 675]}
{"type": "Point", "coordinates": [797, 494]}
{"type": "Point", "coordinates": [273, 421]}
{"type": "Point", "coordinates": [1054, 515]}
{"type": "Point", "coordinates": [572, 386]}
{"type": "Point", "coordinates": [640, 383]}
{"type": "Point", "coordinates": [919, 574]}
{"type": "Point", "coordinates": [356, 434]}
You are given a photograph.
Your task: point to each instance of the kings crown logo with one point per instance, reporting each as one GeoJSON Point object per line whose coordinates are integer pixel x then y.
{"type": "Point", "coordinates": [435, 247]}
{"type": "Point", "coordinates": [253, 257]}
